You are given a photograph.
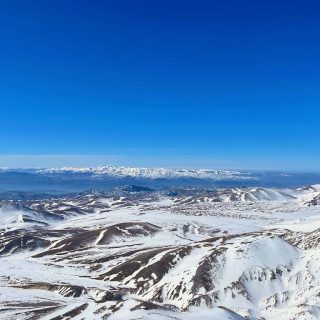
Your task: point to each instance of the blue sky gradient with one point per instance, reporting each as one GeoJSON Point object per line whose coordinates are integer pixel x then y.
{"type": "Point", "coordinates": [228, 84]}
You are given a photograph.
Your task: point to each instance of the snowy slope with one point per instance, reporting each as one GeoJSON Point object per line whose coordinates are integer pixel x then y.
{"type": "Point", "coordinates": [134, 253]}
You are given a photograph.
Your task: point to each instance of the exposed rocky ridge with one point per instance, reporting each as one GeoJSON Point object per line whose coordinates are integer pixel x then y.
{"type": "Point", "coordinates": [239, 253]}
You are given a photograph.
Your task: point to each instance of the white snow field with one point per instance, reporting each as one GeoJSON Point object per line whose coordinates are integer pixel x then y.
{"type": "Point", "coordinates": [235, 253]}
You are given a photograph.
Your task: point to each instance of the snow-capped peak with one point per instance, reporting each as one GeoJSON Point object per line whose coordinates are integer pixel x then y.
{"type": "Point", "coordinates": [152, 173]}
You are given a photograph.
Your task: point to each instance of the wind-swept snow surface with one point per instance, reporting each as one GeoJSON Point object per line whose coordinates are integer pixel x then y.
{"type": "Point", "coordinates": [135, 253]}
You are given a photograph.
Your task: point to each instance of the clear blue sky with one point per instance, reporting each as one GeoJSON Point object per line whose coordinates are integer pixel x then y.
{"type": "Point", "coordinates": [160, 83]}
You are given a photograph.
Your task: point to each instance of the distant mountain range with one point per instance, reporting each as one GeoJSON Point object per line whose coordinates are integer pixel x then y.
{"type": "Point", "coordinates": [150, 173]}
{"type": "Point", "coordinates": [69, 179]}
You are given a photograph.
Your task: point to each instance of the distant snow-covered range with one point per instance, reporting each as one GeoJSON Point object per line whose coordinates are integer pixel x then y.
{"type": "Point", "coordinates": [152, 173]}
{"type": "Point", "coordinates": [70, 179]}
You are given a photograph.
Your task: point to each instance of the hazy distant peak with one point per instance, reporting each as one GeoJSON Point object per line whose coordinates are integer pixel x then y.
{"type": "Point", "coordinates": [152, 173]}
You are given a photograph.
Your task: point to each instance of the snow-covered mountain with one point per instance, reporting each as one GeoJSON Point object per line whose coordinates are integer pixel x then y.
{"type": "Point", "coordinates": [186, 253]}
{"type": "Point", "coordinates": [151, 173]}
{"type": "Point", "coordinates": [67, 180]}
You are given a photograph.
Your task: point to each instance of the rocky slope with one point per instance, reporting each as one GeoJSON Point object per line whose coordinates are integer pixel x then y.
{"type": "Point", "coordinates": [137, 253]}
